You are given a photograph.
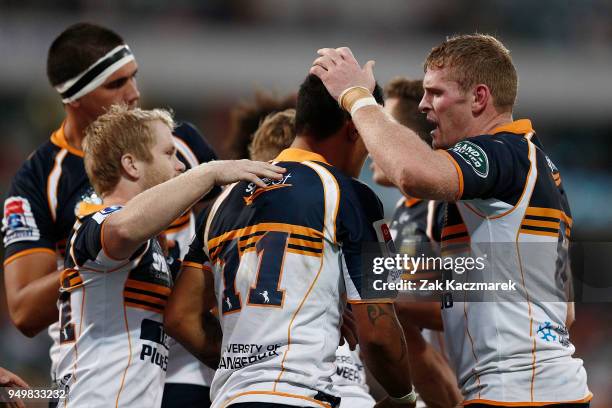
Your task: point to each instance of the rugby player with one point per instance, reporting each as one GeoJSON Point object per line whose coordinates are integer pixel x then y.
{"type": "Point", "coordinates": [92, 68]}
{"type": "Point", "coordinates": [501, 188]}
{"type": "Point", "coordinates": [275, 134]}
{"type": "Point", "coordinates": [280, 261]}
{"type": "Point", "coordinates": [113, 349]}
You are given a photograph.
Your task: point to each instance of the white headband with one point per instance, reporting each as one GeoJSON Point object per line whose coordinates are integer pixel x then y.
{"type": "Point", "coordinates": [96, 74]}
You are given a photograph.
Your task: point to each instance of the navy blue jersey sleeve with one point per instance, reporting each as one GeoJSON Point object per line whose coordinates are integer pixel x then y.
{"type": "Point", "coordinates": [360, 212]}
{"type": "Point", "coordinates": [490, 167]}
{"type": "Point", "coordinates": [27, 223]}
{"type": "Point", "coordinates": [196, 255]}
{"type": "Point", "coordinates": [85, 243]}
{"type": "Point", "coordinates": [193, 149]}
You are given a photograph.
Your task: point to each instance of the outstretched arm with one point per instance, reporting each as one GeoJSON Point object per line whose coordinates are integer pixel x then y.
{"type": "Point", "coordinates": [151, 211]}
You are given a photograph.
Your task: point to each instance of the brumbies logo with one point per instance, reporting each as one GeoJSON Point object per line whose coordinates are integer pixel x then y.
{"type": "Point", "coordinates": [474, 156]}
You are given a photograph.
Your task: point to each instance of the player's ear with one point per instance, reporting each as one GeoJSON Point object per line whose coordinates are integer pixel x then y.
{"type": "Point", "coordinates": [481, 95]}
{"type": "Point", "coordinates": [130, 166]}
{"type": "Point", "coordinates": [74, 104]}
{"type": "Point", "coordinates": [351, 132]}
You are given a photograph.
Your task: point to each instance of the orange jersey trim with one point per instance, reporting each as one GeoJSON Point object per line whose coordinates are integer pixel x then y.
{"type": "Point", "coordinates": [528, 404]}
{"type": "Point", "coordinates": [544, 224]}
{"type": "Point", "coordinates": [459, 173]}
{"type": "Point", "coordinates": [542, 233]}
{"type": "Point", "coordinates": [282, 394]}
{"type": "Point", "coordinates": [193, 265]}
{"type": "Point", "coordinates": [519, 127]}
{"type": "Point", "coordinates": [298, 155]}
{"type": "Point", "coordinates": [411, 201]}
{"type": "Point", "coordinates": [549, 212]}
{"type": "Point", "coordinates": [151, 287]}
{"type": "Point", "coordinates": [453, 229]}
{"type": "Point", "coordinates": [27, 252]}
{"type": "Point", "coordinates": [85, 208]}
{"type": "Point", "coordinates": [58, 138]}
{"type": "Point", "coordinates": [269, 226]}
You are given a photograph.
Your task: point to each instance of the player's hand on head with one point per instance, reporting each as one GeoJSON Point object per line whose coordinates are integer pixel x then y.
{"type": "Point", "coordinates": [231, 171]}
{"type": "Point", "coordinates": [339, 70]}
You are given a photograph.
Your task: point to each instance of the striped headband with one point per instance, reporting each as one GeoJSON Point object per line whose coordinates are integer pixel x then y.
{"type": "Point", "coordinates": [96, 74]}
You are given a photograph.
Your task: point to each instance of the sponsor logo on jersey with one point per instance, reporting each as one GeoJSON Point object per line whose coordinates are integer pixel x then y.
{"type": "Point", "coordinates": [237, 355]}
{"type": "Point", "coordinates": [253, 191]}
{"type": "Point", "coordinates": [551, 165]}
{"type": "Point", "coordinates": [109, 210]}
{"type": "Point", "coordinates": [18, 223]}
{"type": "Point", "coordinates": [474, 156]}
{"type": "Point", "coordinates": [153, 331]}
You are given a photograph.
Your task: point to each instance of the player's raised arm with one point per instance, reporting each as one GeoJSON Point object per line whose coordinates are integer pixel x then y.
{"type": "Point", "coordinates": [393, 147]}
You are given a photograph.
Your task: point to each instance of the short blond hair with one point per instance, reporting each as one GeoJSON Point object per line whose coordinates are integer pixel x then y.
{"type": "Point", "coordinates": [478, 59]}
{"type": "Point", "coordinates": [275, 134]}
{"type": "Point", "coordinates": [117, 132]}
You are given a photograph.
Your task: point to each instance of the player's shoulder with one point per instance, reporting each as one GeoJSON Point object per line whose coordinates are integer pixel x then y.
{"type": "Point", "coordinates": [38, 164]}
{"type": "Point", "coordinates": [354, 192]}
{"type": "Point", "coordinates": [186, 131]}
{"type": "Point", "coordinates": [490, 142]}
{"type": "Point", "coordinates": [98, 217]}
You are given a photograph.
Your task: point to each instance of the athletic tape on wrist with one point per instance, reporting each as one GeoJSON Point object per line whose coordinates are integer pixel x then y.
{"type": "Point", "coordinates": [406, 399]}
{"type": "Point", "coordinates": [360, 103]}
{"type": "Point", "coordinates": [352, 94]}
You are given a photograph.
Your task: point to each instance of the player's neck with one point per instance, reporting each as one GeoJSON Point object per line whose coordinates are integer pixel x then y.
{"type": "Point", "coordinates": [74, 132]}
{"type": "Point", "coordinates": [330, 148]}
{"type": "Point", "coordinates": [122, 193]}
{"type": "Point", "coordinates": [494, 121]}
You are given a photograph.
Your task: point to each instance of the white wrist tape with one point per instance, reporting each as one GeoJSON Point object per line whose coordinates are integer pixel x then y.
{"type": "Point", "coordinates": [360, 103]}
{"type": "Point", "coordinates": [406, 399]}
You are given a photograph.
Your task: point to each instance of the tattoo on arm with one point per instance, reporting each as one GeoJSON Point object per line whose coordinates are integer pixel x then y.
{"type": "Point", "coordinates": [375, 312]}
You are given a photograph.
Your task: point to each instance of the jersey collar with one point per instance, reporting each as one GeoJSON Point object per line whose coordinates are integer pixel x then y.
{"type": "Point", "coordinates": [519, 127]}
{"type": "Point", "coordinates": [299, 155]}
{"type": "Point", "coordinates": [58, 138]}
{"type": "Point", "coordinates": [85, 208]}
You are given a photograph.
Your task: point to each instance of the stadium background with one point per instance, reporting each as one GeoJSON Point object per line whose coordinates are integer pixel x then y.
{"type": "Point", "coordinates": [202, 57]}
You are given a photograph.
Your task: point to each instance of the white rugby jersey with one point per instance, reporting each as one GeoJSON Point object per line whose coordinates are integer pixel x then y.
{"type": "Point", "coordinates": [283, 258]}
{"type": "Point", "coordinates": [512, 209]}
{"type": "Point", "coordinates": [113, 348]}
{"type": "Point", "coordinates": [350, 379]}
